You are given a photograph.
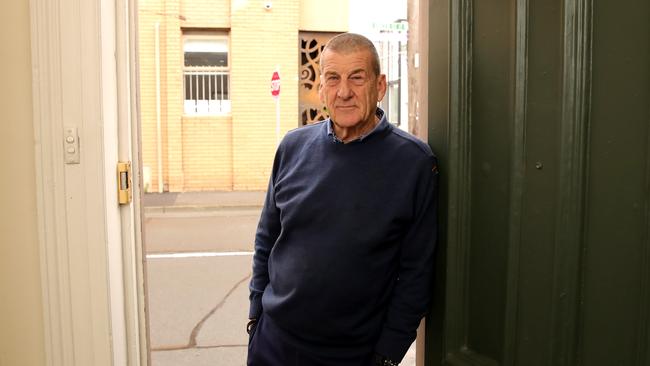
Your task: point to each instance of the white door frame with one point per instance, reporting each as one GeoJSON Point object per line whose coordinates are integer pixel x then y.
{"type": "Point", "coordinates": [92, 272]}
{"type": "Point", "coordinates": [90, 246]}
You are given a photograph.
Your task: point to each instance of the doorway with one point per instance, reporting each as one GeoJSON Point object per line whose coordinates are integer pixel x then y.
{"type": "Point", "coordinates": [206, 154]}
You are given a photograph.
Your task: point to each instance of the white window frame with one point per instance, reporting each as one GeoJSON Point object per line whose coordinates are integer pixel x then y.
{"type": "Point", "coordinates": [192, 105]}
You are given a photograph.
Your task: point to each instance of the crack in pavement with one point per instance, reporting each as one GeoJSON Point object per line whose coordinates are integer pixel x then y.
{"type": "Point", "coordinates": [199, 325]}
{"type": "Point", "coordinates": [197, 328]}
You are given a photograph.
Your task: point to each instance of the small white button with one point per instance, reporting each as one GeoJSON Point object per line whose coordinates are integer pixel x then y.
{"type": "Point", "coordinates": [69, 139]}
{"type": "Point", "coordinates": [71, 150]}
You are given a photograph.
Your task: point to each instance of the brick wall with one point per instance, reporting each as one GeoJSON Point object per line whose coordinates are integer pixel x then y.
{"type": "Point", "coordinates": [261, 40]}
{"type": "Point", "coordinates": [206, 13]}
{"type": "Point", "coordinates": [227, 152]}
{"type": "Point", "coordinates": [173, 106]}
{"type": "Point", "coordinates": [324, 16]}
{"type": "Point", "coordinates": [207, 153]}
{"type": "Point", "coordinates": [150, 14]}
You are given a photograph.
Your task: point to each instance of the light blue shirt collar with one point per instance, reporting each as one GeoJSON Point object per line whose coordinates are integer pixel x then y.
{"type": "Point", "coordinates": [381, 125]}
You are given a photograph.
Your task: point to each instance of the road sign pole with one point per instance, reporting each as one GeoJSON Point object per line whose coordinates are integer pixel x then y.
{"type": "Point", "coordinates": [277, 120]}
{"type": "Point", "coordinates": [275, 92]}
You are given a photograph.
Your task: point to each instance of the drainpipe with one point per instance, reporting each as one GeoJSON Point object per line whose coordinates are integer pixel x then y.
{"type": "Point", "coordinates": [158, 124]}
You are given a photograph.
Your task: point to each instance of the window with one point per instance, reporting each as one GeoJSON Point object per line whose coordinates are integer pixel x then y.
{"type": "Point", "coordinates": [392, 53]}
{"type": "Point", "coordinates": [206, 74]}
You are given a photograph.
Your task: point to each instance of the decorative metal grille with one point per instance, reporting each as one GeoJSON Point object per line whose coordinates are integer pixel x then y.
{"type": "Point", "coordinates": [311, 46]}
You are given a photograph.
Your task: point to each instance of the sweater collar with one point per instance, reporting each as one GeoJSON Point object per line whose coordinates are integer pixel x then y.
{"type": "Point", "coordinates": [381, 126]}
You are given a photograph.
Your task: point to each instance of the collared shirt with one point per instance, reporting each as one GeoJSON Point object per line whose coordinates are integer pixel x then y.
{"type": "Point", "coordinates": [380, 126]}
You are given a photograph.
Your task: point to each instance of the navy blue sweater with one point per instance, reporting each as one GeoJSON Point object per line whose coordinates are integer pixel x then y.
{"type": "Point", "coordinates": [344, 248]}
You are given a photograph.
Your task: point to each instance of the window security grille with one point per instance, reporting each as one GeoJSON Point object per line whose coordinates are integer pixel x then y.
{"type": "Point", "coordinates": [206, 75]}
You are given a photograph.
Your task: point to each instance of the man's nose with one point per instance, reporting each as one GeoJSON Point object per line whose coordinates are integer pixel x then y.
{"type": "Point", "coordinates": [344, 90]}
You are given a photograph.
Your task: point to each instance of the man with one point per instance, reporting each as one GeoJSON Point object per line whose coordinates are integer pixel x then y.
{"type": "Point", "coordinates": [343, 262]}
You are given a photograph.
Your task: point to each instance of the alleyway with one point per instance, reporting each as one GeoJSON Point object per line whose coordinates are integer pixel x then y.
{"type": "Point", "coordinates": [199, 252]}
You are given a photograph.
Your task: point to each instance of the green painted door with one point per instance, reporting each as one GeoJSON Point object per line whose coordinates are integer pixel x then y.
{"type": "Point", "coordinates": [540, 114]}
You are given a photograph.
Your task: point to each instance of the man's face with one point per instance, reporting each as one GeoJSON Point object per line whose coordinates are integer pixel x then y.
{"type": "Point", "coordinates": [349, 88]}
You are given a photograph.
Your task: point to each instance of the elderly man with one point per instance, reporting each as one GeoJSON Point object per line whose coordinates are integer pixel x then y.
{"type": "Point", "coordinates": [343, 264]}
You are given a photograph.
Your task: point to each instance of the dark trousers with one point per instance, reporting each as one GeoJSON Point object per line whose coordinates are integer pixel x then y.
{"type": "Point", "coordinates": [267, 348]}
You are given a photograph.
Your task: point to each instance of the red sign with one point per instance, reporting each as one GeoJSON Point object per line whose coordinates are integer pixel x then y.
{"type": "Point", "coordinates": [275, 84]}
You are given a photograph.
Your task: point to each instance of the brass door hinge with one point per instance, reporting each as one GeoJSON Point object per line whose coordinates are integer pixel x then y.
{"type": "Point", "coordinates": [124, 180]}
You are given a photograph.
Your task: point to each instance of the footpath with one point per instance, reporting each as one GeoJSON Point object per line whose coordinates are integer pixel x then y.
{"type": "Point", "coordinates": [168, 202]}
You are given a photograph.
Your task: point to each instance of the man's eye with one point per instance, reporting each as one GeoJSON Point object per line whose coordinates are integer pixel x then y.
{"type": "Point", "coordinates": [358, 80]}
{"type": "Point", "coordinates": [331, 80]}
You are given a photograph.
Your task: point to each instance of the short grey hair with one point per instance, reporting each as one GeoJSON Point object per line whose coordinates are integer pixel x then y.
{"type": "Point", "coordinates": [352, 42]}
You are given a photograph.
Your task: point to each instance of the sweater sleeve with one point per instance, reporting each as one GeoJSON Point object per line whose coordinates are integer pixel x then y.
{"type": "Point", "coordinates": [413, 289]}
{"type": "Point", "coordinates": [268, 230]}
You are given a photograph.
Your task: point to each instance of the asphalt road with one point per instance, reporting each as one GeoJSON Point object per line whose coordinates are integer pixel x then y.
{"type": "Point", "coordinates": [198, 268]}
{"type": "Point", "coordinates": [222, 230]}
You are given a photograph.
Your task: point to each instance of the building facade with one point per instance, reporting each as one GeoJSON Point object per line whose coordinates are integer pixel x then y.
{"type": "Point", "coordinates": [208, 120]}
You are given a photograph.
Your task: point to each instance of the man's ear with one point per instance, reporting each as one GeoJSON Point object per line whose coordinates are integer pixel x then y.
{"type": "Point", "coordinates": [321, 97]}
{"type": "Point", "coordinates": [381, 87]}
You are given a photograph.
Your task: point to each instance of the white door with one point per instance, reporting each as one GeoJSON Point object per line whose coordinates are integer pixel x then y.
{"type": "Point", "coordinates": [93, 292]}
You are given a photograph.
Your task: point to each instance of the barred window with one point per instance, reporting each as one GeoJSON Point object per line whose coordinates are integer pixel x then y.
{"type": "Point", "coordinates": [206, 74]}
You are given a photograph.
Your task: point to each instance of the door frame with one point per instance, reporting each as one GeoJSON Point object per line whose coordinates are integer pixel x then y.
{"type": "Point", "coordinates": [84, 75]}
{"type": "Point", "coordinates": [92, 272]}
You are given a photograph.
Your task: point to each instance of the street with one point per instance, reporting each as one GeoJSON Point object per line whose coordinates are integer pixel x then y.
{"type": "Point", "coordinates": [198, 268]}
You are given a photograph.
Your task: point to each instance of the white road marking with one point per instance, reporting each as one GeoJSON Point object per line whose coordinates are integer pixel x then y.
{"type": "Point", "coordinates": [197, 255]}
